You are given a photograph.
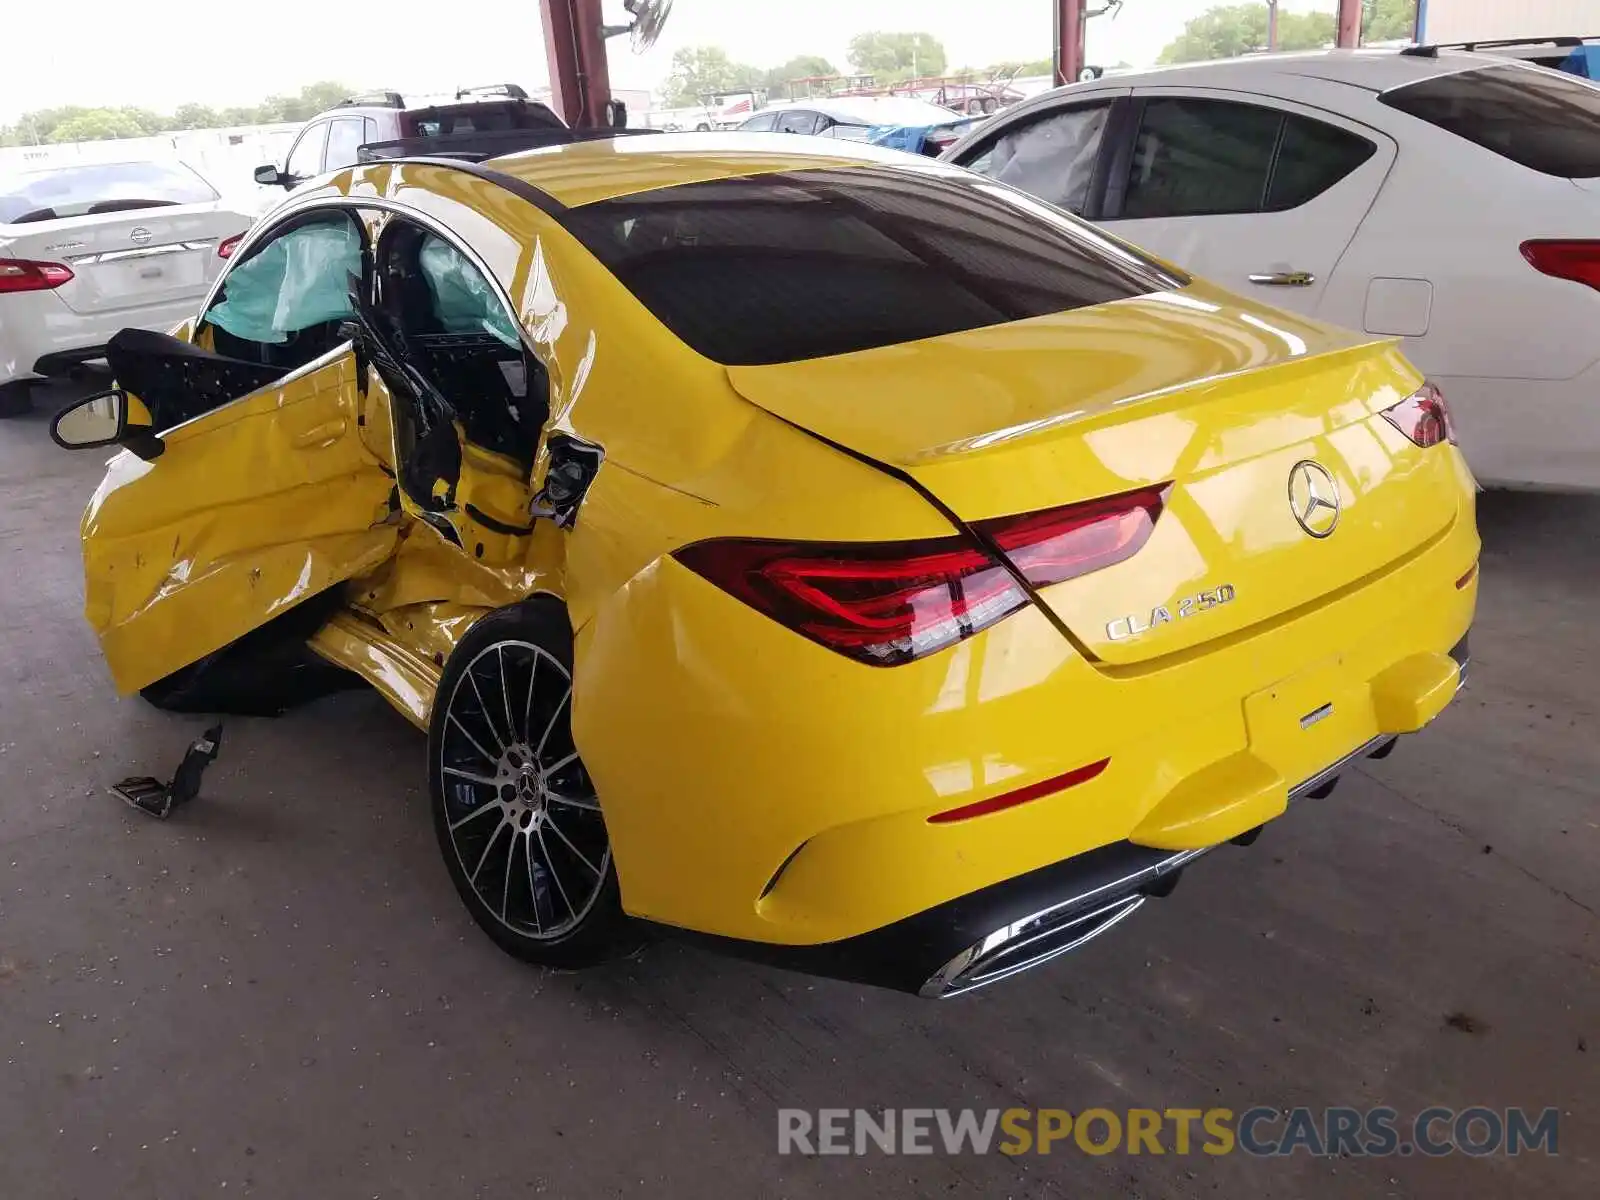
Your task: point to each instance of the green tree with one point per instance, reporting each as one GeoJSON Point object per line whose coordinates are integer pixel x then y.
{"type": "Point", "coordinates": [95, 125]}
{"type": "Point", "coordinates": [888, 56]}
{"type": "Point", "coordinates": [244, 115]}
{"type": "Point", "coordinates": [699, 71]}
{"type": "Point", "coordinates": [196, 116]}
{"type": "Point", "coordinates": [1389, 20]}
{"type": "Point", "coordinates": [802, 66]}
{"type": "Point", "coordinates": [1233, 29]}
{"type": "Point", "coordinates": [149, 123]}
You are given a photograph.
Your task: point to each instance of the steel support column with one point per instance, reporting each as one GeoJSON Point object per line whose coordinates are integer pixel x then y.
{"type": "Point", "coordinates": [1070, 22]}
{"type": "Point", "coordinates": [579, 78]}
{"type": "Point", "coordinates": [1349, 29]}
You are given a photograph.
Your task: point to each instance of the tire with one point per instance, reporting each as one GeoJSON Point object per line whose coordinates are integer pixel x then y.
{"type": "Point", "coordinates": [517, 820]}
{"type": "Point", "coordinates": [16, 398]}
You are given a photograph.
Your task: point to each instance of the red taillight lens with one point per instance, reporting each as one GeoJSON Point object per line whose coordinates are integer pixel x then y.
{"type": "Point", "coordinates": [227, 246]}
{"type": "Point", "coordinates": [879, 604]}
{"type": "Point", "coordinates": [1423, 417]}
{"type": "Point", "coordinates": [1062, 543]}
{"type": "Point", "coordinates": [1578, 261]}
{"type": "Point", "coordinates": [892, 603]}
{"type": "Point", "coordinates": [20, 275]}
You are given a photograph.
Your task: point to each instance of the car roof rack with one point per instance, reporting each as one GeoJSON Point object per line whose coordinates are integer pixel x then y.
{"type": "Point", "coordinates": [374, 100]}
{"type": "Point", "coordinates": [509, 90]}
{"type": "Point", "coordinates": [1431, 49]}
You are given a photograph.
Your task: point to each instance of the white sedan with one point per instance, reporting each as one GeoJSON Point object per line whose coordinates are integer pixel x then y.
{"type": "Point", "coordinates": [90, 248]}
{"type": "Point", "coordinates": [1446, 198]}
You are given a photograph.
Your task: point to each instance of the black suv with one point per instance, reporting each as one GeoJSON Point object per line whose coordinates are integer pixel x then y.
{"type": "Point", "coordinates": [380, 125]}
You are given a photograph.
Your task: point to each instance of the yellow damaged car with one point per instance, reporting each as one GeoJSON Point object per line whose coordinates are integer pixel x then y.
{"type": "Point", "coordinates": [825, 551]}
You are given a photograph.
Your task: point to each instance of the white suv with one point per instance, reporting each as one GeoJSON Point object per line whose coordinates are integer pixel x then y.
{"type": "Point", "coordinates": [1450, 199]}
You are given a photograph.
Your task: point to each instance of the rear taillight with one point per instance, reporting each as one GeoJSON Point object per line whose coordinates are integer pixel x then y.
{"type": "Point", "coordinates": [1578, 261]}
{"type": "Point", "coordinates": [892, 603]}
{"type": "Point", "coordinates": [227, 246]}
{"type": "Point", "coordinates": [1062, 543]}
{"type": "Point", "coordinates": [1423, 417]}
{"type": "Point", "coordinates": [20, 275]}
{"type": "Point", "coordinates": [937, 141]}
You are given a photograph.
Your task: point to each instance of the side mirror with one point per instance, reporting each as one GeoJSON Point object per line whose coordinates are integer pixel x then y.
{"type": "Point", "coordinates": [104, 419]}
{"type": "Point", "coordinates": [270, 176]}
{"type": "Point", "coordinates": [97, 420]}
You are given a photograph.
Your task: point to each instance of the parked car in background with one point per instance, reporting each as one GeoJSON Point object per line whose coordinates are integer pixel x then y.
{"type": "Point", "coordinates": [899, 122]}
{"type": "Point", "coordinates": [333, 140]}
{"type": "Point", "coordinates": [88, 249]}
{"type": "Point", "coordinates": [1447, 198]}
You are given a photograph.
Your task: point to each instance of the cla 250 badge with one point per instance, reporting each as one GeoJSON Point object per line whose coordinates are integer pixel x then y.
{"type": "Point", "coordinates": [1124, 628]}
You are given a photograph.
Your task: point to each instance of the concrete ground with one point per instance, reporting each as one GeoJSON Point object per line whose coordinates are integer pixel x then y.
{"type": "Point", "coordinates": [278, 993]}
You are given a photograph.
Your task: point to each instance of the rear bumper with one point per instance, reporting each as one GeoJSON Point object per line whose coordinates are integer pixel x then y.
{"type": "Point", "coordinates": [1022, 923]}
{"type": "Point", "coordinates": [759, 788]}
{"type": "Point", "coordinates": [1529, 433]}
{"type": "Point", "coordinates": [41, 336]}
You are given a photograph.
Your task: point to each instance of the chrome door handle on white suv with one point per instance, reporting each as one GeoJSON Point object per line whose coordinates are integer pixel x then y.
{"type": "Point", "coordinates": [1285, 279]}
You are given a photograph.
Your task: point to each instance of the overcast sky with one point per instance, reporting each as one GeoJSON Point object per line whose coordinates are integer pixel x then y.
{"type": "Point", "coordinates": [159, 56]}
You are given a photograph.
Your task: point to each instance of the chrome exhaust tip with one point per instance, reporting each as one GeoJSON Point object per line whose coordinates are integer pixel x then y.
{"type": "Point", "coordinates": [1026, 944]}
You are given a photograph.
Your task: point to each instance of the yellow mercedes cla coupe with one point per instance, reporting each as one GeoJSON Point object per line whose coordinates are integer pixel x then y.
{"type": "Point", "coordinates": [825, 551]}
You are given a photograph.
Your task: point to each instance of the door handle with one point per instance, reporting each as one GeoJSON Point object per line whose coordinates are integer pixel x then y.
{"type": "Point", "coordinates": [1285, 279]}
{"type": "Point", "coordinates": [320, 435]}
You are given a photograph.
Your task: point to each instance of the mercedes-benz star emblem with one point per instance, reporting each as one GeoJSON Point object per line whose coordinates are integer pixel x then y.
{"type": "Point", "coordinates": [139, 235]}
{"type": "Point", "coordinates": [1314, 498]}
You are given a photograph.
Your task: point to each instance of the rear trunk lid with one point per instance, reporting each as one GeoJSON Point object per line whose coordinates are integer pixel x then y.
{"type": "Point", "coordinates": [1192, 388]}
{"type": "Point", "coordinates": [131, 259]}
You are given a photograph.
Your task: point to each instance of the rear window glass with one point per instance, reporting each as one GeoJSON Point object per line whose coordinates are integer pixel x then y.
{"type": "Point", "coordinates": [99, 188]}
{"type": "Point", "coordinates": [795, 265]}
{"type": "Point", "coordinates": [478, 117]}
{"type": "Point", "coordinates": [1542, 120]}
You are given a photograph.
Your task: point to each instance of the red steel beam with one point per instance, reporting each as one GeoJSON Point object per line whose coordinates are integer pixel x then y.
{"type": "Point", "coordinates": [1069, 22]}
{"type": "Point", "coordinates": [1349, 29]}
{"type": "Point", "coordinates": [579, 77]}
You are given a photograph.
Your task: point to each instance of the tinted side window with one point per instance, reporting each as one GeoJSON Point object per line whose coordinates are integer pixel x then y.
{"type": "Point", "coordinates": [759, 124]}
{"type": "Point", "coordinates": [793, 265]}
{"type": "Point", "coordinates": [305, 160]}
{"type": "Point", "coordinates": [1312, 158]}
{"type": "Point", "coordinates": [344, 139]}
{"type": "Point", "coordinates": [797, 121]}
{"type": "Point", "coordinates": [1052, 158]}
{"type": "Point", "coordinates": [1200, 157]}
{"type": "Point", "coordinates": [1548, 122]}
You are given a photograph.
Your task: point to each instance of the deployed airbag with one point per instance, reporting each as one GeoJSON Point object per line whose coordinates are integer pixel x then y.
{"type": "Point", "coordinates": [463, 301]}
{"type": "Point", "coordinates": [298, 280]}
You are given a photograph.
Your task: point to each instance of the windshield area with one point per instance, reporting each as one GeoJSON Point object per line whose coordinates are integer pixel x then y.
{"type": "Point", "coordinates": [100, 188]}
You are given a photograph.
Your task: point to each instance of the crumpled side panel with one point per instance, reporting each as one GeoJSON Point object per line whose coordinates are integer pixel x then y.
{"type": "Point", "coordinates": [298, 280]}
{"type": "Point", "coordinates": [462, 299]}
